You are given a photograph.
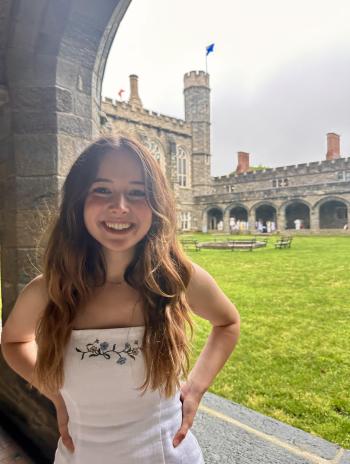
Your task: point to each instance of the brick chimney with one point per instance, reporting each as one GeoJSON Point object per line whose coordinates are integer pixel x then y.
{"type": "Point", "coordinates": [333, 146]}
{"type": "Point", "coordinates": [134, 98]}
{"type": "Point", "coordinates": [243, 162]}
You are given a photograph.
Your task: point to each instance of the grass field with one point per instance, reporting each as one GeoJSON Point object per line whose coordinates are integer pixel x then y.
{"type": "Point", "coordinates": [293, 358]}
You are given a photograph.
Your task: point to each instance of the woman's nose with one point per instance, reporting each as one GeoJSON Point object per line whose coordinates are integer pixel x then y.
{"type": "Point", "coordinates": [119, 203]}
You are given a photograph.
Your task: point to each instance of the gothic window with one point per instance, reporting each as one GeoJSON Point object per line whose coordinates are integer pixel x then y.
{"type": "Point", "coordinates": [182, 167]}
{"type": "Point", "coordinates": [185, 220]}
{"type": "Point", "coordinates": [155, 148]}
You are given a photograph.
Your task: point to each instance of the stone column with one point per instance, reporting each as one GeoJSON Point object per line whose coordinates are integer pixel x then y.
{"type": "Point", "coordinates": [226, 219]}
{"type": "Point", "coordinates": [251, 220]}
{"type": "Point", "coordinates": [281, 220]}
{"type": "Point", "coordinates": [315, 219]}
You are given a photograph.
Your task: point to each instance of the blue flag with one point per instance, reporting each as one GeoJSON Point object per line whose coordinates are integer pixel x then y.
{"type": "Point", "coordinates": [210, 48]}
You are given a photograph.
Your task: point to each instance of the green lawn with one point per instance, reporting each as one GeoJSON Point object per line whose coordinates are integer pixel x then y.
{"type": "Point", "coordinates": [293, 358]}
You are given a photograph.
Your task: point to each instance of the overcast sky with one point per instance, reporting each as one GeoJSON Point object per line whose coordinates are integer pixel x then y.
{"type": "Point", "coordinates": [279, 74]}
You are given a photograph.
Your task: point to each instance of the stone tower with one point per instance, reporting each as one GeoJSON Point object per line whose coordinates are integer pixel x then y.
{"type": "Point", "coordinates": [197, 113]}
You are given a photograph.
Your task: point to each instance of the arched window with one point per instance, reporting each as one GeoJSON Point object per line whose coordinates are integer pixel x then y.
{"type": "Point", "coordinates": [182, 167]}
{"type": "Point", "coordinates": [155, 148]}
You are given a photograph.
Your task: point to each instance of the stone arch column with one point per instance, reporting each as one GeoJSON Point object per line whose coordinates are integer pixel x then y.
{"type": "Point", "coordinates": [251, 219]}
{"type": "Point", "coordinates": [281, 219]}
{"type": "Point", "coordinates": [50, 96]}
{"type": "Point", "coordinates": [227, 220]}
{"type": "Point", "coordinates": [314, 219]}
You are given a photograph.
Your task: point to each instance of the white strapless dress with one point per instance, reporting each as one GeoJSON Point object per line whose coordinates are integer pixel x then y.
{"type": "Point", "coordinates": [110, 422]}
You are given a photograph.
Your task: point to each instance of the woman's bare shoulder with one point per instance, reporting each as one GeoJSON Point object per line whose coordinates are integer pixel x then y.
{"type": "Point", "coordinates": [26, 312]}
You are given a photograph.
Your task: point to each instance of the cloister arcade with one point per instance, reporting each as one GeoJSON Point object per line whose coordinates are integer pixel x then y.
{"type": "Point", "coordinates": [214, 217]}
{"type": "Point", "coordinates": [327, 213]}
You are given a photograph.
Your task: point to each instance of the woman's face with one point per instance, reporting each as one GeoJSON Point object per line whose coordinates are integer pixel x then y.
{"type": "Point", "coordinates": [116, 211]}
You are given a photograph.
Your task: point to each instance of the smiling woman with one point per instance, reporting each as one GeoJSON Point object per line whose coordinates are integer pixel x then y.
{"type": "Point", "coordinates": [111, 312]}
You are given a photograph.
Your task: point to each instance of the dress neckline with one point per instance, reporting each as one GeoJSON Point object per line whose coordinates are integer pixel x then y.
{"type": "Point", "coordinates": [109, 328]}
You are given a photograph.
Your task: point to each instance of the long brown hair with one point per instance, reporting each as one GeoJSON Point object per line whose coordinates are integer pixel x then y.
{"type": "Point", "coordinates": [74, 264]}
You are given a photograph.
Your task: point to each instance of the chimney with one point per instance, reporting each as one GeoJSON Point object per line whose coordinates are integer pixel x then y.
{"type": "Point", "coordinates": [333, 146]}
{"type": "Point", "coordinates": [134, 98]}
{"type": "Point", "coordinates": [243, 162]}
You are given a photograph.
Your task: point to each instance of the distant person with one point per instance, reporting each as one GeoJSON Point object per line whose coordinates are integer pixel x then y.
{"type": "Point", "coordinates": [297, 224]}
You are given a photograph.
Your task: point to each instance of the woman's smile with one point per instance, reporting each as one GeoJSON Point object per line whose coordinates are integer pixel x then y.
{"type": "Point", "coordinates": [118, 227]}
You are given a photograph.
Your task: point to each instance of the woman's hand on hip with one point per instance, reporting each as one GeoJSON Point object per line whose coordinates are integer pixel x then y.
{"type": "Point", "coordinates": [190, 399]}
{"type": "Point", "coordinates": [62, 422]}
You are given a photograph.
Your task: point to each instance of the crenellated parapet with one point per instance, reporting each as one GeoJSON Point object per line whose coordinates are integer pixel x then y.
{"type": "Point", "coordinates": [303, 169]}
{"type": "Point", "coordinates": [115, 110]}
{"type": "Point", "coordinates": [196, 79]}
{"type": "Point", "coordinates": [271, 195]}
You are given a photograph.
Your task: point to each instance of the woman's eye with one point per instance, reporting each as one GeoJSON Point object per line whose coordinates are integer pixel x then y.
{"type": "Point", "coordinates": [102, 190]}
{"type": "Point", "coordinates": [136, 194]}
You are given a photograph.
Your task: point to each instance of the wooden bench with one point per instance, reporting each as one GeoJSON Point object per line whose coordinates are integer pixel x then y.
{"type": "Point", "coordinates": [242, 244]}
{"type": "Point", "coordinates": [284, 242]}
{"type": "Point", "coordinates": [189, 244]}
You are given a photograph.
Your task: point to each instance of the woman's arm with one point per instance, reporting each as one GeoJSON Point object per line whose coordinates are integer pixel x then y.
{"type": "Point", "coordinates": [19, 348]}
{"type": "Point", "coordinates": [18, 334]}
{"type": "Point", "coordinates": [209, 302]}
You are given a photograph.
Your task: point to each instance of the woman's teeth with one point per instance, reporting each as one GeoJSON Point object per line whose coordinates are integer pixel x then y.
{"type": "Point", "coordinates": [118, 226]}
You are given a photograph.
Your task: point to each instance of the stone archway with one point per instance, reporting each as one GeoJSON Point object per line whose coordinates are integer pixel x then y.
{"type": "Point", "coordinates": [333, 214]}
{"type": "Point", "coordinates": [215, 217]}
{"type": "Point", "coordinates": [297, 214]}
{"type": "Point", "coordinates": [238, 219]}
{"type": "Point", "coordinates": [265, 213]}
{"type": "Point", "coordinates": [50, 91]}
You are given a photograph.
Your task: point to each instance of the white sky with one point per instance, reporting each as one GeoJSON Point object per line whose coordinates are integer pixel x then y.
{"type": "Point", "coordinates": [279, 75]}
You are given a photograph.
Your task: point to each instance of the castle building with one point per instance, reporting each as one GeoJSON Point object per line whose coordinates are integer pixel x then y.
{"type": "Point", "coordinates": [313, 195]}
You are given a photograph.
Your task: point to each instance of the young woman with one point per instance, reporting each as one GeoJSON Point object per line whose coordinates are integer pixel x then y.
{"type": "Point", "coordinates": [103, 331]}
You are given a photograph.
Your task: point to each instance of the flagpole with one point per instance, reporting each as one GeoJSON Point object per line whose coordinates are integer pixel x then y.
{"type": "Point", "coordinates": [206, 62]}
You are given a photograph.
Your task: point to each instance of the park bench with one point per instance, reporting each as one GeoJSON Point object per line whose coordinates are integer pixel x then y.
{"type": "Point", "coordinates": [284, 242]}
{"type": "Point", "coordinates": [248, 244]}
{"type": "Point", "coordinates": [189, 244]}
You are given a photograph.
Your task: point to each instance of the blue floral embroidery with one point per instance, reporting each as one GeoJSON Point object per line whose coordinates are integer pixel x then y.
{"type": "Point", "coordinates": [101, 349]}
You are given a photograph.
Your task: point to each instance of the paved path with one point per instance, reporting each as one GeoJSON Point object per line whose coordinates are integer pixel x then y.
{"type": "Point", "coordinates": [232, 434]}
